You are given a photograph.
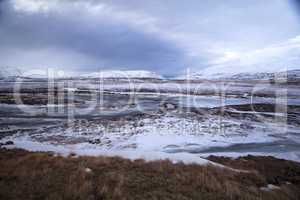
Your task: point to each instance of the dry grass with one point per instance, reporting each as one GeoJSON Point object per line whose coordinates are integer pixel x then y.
{"type": "Point", "coordinates": [25, 175]}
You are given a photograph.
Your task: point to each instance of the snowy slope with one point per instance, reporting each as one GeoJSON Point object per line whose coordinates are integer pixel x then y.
{"type": "Point", "coordinates": [290, 75]}
{"type": "Point", "coordinates": [8, 72]}
{"type": "Point", "coordinates": [202, 76]}
{"type": "Point", "coordinates": [116, 74]}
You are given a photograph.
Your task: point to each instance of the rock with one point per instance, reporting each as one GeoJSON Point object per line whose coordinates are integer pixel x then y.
{"type": "Point", "coordinates": [72, 154]}
{"type": "Point", "coordinates": [130, 146]}
{"type": "Point", "coordinates": [88, 170]}
{"type": "Point", "coordinates": [96, 141]}
{"type": "Point", "coordinates": [269, 188]}
{"type": "Point", "coordinates": [142, 123]}
{"type": "Point", "coordinates": [169, 106]}
{"type": "Point", "coordinates": [135, 124]}
{"type": "Point", "coordinates": [171, 146]}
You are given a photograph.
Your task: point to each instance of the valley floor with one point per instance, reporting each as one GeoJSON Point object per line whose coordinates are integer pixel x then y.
{"type": "Point", "coordinates": [115, 143]}
{"type": "Point", "coordinates": [152, 120]}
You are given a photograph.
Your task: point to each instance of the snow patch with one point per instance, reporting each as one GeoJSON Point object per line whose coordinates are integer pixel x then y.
{"type": "Point", "coordinates": [139, 74]}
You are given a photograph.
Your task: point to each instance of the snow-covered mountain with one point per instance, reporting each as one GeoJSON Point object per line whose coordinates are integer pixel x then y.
{"type": "Point", "coordinates": [201, 76]}
{"type": "Point", "coordinates": [289, 75]}
{"type": "Point", "coordinates": [9, 72]}
{"type": "Point", "coordinates": [118, 74]}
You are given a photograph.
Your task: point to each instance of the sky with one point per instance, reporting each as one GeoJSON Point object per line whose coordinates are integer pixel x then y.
{"type": "Point", "coordinates": [164, 36]}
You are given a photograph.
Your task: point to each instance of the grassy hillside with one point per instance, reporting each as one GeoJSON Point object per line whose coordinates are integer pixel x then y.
{"type": "Point", "coordinates": [25, 175]}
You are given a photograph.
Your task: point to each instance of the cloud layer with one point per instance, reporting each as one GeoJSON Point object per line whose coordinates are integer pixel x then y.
{"type": "Point", "coordinates": [161, 36]}
{"type": "Point", "coordinates": [275, 58]}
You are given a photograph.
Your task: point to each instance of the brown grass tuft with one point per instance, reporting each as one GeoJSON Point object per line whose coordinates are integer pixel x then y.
{"type": "Point", "coordinates": [25, 175]}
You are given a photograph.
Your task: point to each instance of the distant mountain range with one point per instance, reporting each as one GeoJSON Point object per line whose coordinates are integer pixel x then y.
{"type": "Point", "coordinates": [6, 72]}
{"type": "Point", "coordinates": [290, 75]}
{"type": "Point", "coordinates": [117, 74]}
{"type": "Point", "coordinates": [9, 73]}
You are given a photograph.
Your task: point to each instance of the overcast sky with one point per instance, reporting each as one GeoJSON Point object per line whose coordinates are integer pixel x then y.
{"type": "Point", "coordinates": [165, 36]}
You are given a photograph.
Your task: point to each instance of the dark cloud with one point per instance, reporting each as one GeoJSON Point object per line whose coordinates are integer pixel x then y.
{"type": "Point", "coordinates": [112, 45]}
{"type": "Point", "coordinates": [162, 36]}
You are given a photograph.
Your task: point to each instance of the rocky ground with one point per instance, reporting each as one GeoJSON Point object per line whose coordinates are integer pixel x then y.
{"type": "Point", "coordinates": [216, 118]}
